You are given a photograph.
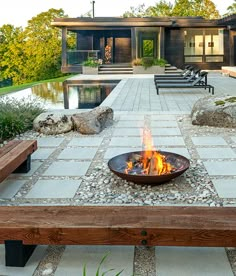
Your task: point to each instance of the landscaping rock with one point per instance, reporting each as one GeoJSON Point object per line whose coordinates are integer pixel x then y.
{"type": "Point", "coordinates": [53, 123]}
{"type": "Point", "coordinates": [94, 121]}
{"type": "Point", "coordinates": [218, 111]}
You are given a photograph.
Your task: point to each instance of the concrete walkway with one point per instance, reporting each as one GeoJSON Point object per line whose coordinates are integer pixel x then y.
{"type": "Point", "coordinates": [62, 166]}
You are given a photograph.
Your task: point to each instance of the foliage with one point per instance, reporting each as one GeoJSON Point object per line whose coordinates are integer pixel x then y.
{"type": "Point", "coordinates": [16, 116]}
{"type": "Point", "coordinates": [231, 9]}
{"type": "Point", "coordinates": [140, 11]}
{"type": "Point", "coordinates": [148, 62]}
{"type": "Point", "coordinates": [34, 53]}
{"type": "Point", "coordinates": [99, 268]}
{"type": "Point", "coordinates": [204, 8]}
{"type": "Point", "coordinates": [162, 8]}
{"type": "Point", "coordinates": [91, 62]}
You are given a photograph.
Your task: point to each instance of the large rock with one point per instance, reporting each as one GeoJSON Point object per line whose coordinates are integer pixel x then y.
{"type": "Point", "coordinates": [52, 123]}
{"type": "Point", "coordinates": [94, 121]}
{"type": "Point", "coordinates": [218, 111]}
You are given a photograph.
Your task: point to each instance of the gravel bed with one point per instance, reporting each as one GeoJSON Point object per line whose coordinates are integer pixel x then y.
{"type": "Point", "coordinates": [102, 187]}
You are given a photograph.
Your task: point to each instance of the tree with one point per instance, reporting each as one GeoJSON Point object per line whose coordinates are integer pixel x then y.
{"type": "Point", "coordinates": [12, 60]}
{"type": "Point", "coordinates": [43, 46]}
{"type": "Point", "coordinates": [163, 8]}
{"type": "Point", "coordinates": [231, 9]}
{"type": "Point", "coordinates": [140, 11]}
{"type": "Point", "coordinates": [204, 8]}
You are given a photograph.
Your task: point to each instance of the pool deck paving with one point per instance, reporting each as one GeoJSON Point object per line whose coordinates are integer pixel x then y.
{"type": "Point", "coordinates": [61, 164]}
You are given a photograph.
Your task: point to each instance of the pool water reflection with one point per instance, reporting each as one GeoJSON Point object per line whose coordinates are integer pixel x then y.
{"type": "Point", "coordinates": [70, 94]}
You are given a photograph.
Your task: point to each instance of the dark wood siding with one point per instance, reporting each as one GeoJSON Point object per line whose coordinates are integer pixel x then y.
{"type": "Point", "coordinates": [174, 47]}
{"type": "Point", "coordinates": [122, 49]}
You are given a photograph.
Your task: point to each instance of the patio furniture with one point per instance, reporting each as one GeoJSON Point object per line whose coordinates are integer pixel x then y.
{"type": "Point", "coordinates": [15, 157]}
{"type": "Point", "coordinates": [186, 72]}
{"type": "Point", "coordinates": [199, 82]}
{"type": "Point", "coordinates": [187, 79]}
{"type": "Point", "coordinates": [24, 227]}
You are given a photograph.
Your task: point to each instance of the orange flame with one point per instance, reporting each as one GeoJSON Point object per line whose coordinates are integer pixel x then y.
{"type": "Point", "coordinates": [151, 162]}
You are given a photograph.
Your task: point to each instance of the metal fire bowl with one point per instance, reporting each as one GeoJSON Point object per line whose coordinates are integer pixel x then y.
{"type": "Point", "coordinates": [117, 165]}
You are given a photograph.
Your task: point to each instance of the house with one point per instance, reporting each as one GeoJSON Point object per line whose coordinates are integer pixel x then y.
{"type": "Point", "coordinates": [208, 44]}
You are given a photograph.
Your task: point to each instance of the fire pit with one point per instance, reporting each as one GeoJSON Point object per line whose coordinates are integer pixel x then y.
{"type": "Point", "coordinates": [148, 167]}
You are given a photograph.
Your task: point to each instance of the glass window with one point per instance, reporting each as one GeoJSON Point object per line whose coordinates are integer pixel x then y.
{"type": "Point", "coordinates": [214, 42]}
{"type": "Point", "coordinates": [193, 42]}
{"type": "Point", "coordinates": [204, 45]}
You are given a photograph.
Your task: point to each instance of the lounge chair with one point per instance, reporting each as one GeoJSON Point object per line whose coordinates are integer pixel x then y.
{"type": "Point", "coordinates": [187, 79]}
{"type": "Point", "coordinates": [187, 71]}
{"type": "Point", "coordinates": [199, 82]}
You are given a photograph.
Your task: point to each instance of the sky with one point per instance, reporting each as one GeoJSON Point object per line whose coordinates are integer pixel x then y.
{"type": "Point", "coordinates": [18, 12]}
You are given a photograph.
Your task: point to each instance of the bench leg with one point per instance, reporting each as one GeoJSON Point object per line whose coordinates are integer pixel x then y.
{"type": "Point", "coordinates": [17, 254]}
{"type": "Point", "coordinates": [25, 166]}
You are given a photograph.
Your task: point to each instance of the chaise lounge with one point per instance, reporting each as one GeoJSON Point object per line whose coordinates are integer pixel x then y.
{"type": "Point", "coordinates": [199, 82]}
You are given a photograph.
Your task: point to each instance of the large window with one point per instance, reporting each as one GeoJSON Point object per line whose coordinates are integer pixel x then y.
{"type": "Point", "coordinates": [204, 45]}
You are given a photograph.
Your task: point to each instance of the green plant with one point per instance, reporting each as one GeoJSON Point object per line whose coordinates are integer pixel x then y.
{"type": "Point", "coordinates": [160, 62]}
{"type": "Point", "coordinates": [137, 62]}
{"type": "Point", "coordinates": [147, 62]}
{"type": "Point", "coordinates": [16, 116]}
{"type": "Point", "coordinates": [99, 268]}
{"type": "Point", "coordinates": [219, 102]}
{"type": "Point", "coordinates": [91, 62]}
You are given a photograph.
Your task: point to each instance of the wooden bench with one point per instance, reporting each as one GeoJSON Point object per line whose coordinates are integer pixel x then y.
{"type": "Point", "coordinates": [24, 227]}
{"type": "Point", "coordinates": [15, 157]}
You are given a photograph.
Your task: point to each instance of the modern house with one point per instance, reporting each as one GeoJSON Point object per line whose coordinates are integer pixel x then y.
{"type": "Point", "coordinates": [209, 44]}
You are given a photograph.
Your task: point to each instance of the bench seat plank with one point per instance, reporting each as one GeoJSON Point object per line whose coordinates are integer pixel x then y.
{"type": "Point", "coordinates": [119, 225]}
{"type": "Point", "coordinates": [14, 155]}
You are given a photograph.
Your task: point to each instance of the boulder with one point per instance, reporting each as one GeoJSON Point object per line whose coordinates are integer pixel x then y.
{"type": "Point", "coordinates": [52, 123]}
{"type": "Point", "coordinates": [94, 121]}
{"type": "Point", "coordinates": [218, 111]}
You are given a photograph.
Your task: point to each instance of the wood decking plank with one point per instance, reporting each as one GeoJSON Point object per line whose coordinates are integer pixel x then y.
{"type": "Point", "coordinates": [119, 225]}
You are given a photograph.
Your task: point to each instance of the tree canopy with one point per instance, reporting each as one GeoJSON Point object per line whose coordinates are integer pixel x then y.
{"type": "Point", "coordinates": [204, 8]}
{"type": "Point", "coordinates": [34, 53]}
{"type": "Point", "coordinates": [231, 9]}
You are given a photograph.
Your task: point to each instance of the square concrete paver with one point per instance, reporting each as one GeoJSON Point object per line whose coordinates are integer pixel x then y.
{"type": "Point", "coordinates": [42, 153]}
{"type": "Point", "coordinates": [233, 138]}
{"type": "Point", "coordinates": [126, 141]}
{"type": "Point", "coordinates": [9, 187]}
{"type": "Point", "coordinates": [75, 257]}
{"type": "Point", "coordinates": [181, 151]}
{"type": "Point", "coordinates": [72, 168]}
{"type": "Point", "coordinates": [168, 141]}
{"type": "Point", "coordinates": [130, 117]}
{"type": "Point", "coordinates": [86, 141]}
{"type": "Point", "coordinates": [130, 124]}
{"type": "Point", "coordinates": [49, 141]}
{"type": "Point", "coordinates": [34, 166]}
{"type": "Point", "coordinates": [111, 152]}
{"type": "Point", "coordinates": [209, 141]}
{"type": "Point", "coordinates": [220, 168]}
{"type": "Point", "coordinates": [166, 131]}
{"type": "Point", "coordinates": [30, 267]}
{"type": "Point", "coordinates": [162, 117]}
{"type": "Point", "coordinates": [164, 124]}
{"type": "Point", "coordinates": [78, 153]}
{"type": "Point", "coordinates": [226, 188]}
{"type": "Point", "coordinates": [54, 189]}
{"type": "Point", "coordinates": [127, 132]}
{"type": "Point", "coordinates": [212, 153]}
{"type": "Point", "coordinates": [192, 261]}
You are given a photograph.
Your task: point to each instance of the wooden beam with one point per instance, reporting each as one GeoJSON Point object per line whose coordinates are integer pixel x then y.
{"type": "Point", "coordinates": [119, 225]}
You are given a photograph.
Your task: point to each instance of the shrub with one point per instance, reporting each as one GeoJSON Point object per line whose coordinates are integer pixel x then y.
{"type": "Point", "coordinates": [91, 62]}
{"type": "Point", "coordinates": [17, 116]}
{"type": "Point", "coordinates": [148, 62]}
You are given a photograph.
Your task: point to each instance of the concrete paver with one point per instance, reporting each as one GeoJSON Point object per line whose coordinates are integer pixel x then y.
{"type": "Point", "coordinates": [186, 261]}
{"type": "Point", "coordinates": [216, 153]}
{"type": "Point", "coordinates": [54, 188]}
{"type": "Point", "coordinates": [226, 188]}
{"type": "Point", "coordinates": [77, 153]}
{"type": "Point", "coordinates": [220, 168]}
{"type": "Point", "coordinates": [209, 141]}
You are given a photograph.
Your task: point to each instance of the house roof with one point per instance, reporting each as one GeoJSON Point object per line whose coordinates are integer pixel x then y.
{"type": "Point", "coordinates": [134, 22]}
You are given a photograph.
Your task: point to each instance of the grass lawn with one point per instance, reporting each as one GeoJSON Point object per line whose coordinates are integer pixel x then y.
{"type": "Point", "coordinates": [15, 88]}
